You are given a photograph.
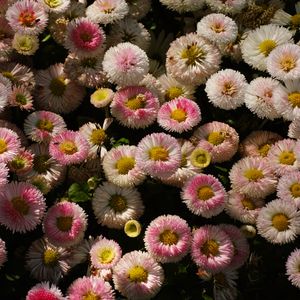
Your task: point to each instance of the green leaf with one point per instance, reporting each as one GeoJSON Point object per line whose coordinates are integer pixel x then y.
{"type": "Point", "coordinates": [79, 192]}
{"type": "Point", "coordinates": [46, 38]}
{"type": "Point", "coordinates": [121, 141]}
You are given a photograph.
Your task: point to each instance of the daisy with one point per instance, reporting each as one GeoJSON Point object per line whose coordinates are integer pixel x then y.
{"type": "Point", "coordinates": [132, 228]}
{"type": "Point", "coordinates": [16, 129]}
{"type": "Point", "coordinates": [171, 88]}
{"type": "Point", "coordinates": [84, 37]}
{"type": "Point", "coordinates": [90, 288]}
{"type": "Point", "coordinates": [243, 208]}
{"type": "Point", "coordinates": [3, 175]}
{"type": "Point", "coordinates": [286, 99]}
{"type": "Point", "coordinates": [167, 238]}
{"type": "Point", "coordinates": [3, 253]}
{"type": "Point", "coordinates": [219, 139]}
{"type": "Point", "coordinates": [102, 97]}
{"type": "Point", "coordinates": [179, 115]}
{"type": "Point", "coordinates": [69, 147]}
{"type": "Point", "coordinates": [22, 207]}
{"type": "Point", "coordinates": [192, 59]}
{"type": "Point", "coordinates": [21, 97]}
{"type": "Point", "coordinates": [288, 188]}
{"type": "Point", "coordinates": [292, 267]}
{"type": "Point", "coordinates": [107, 11]}
{"type": "Point", "coordinates": [259, 97]}
{"type": "Point", "coordinates": [227, 6]}
{"type": "Point", "coordinates": [257, 44]}
{"type": "Point", "coordinates": [125, 64]}
{"type": "Point", "coordinates": [211, 248]}
{"type": "Point", "coordinates": [258, 143]}
{"type": "Point", "coordinates": [25, 44]}
{"type": "Point", "coordinates": [27, 17]}
{"type": "Point", "coordinates": [55, 6]}
{"type": "Point", "coordinates": [113, 206]}
{"type": "Point", "coordinates": [65, 223]}
{"type": "Point", "coordinates": [46, 261]}
{"type": "Point", "coordinates": [225, 285]}
{"type": "Point", "coordinates": [22, 162]}
{"type": "Point", "coordinates": [283, 62]}
{"type": "Point", "coordinates": [129, 30]}
{"type": "Point", "coordinates": [282, 156]}
{"type": "Point", "coordinates": [139, 8]}
{"type": "Point", "coordinates": [120, 167]}
{"type": "Point", "coordinates": [294, 129]}
{"type": "Point", "coordinates": [279, 222]}
{"type": "Point", "coordinates": [105, 253]}
{"type": "Point", "coordinates": [182, 6]}
{"type": "Point", "coordinates": [9, 144]}
{"type": "Point", "coordinates": [226, 89]}
{"type": "Point", "coordinates": [158, 155]}
{"type": "Point", "coordinates": [253, 176]}
{"type": "Point", "coordinates": [41, 126]}
{"type": "Point", "coordinates": [45, 290]}
{"type": "Point", "coordinates": [204, 195]}
{"type": "Point", "coordinates": [218, 29]}
{"type": "Point", "coordinates": [200, 158]}
{"type": "Point", "coordinates": [138, 276]}
{"type": "Point", "coordinates": [55, 92]}
{"type": "Point", "coordinates": [135, 106]}
{"type": "Point", "coordinates": [5, 91]}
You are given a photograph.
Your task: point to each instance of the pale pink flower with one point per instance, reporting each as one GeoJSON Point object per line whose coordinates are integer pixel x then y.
{"type": "Point", "coordinates": [9, 144]}
{"type": "Point", "coordinates": [46, 291]}
{"type": "Point", "coordinates": [294, 129]}
{"type": "Point", "coordinates": [3, 175]}
{"type": "Point", "coordinates": [5, 91]}
{"type": "Point", "coordinates": [292, 267]}
{"type": "Point", "coordinates": [227, 6]}
{"type": "Point", "coordinates": [21, 97]}
{"type": "Point", "coordinates": [22, 162]}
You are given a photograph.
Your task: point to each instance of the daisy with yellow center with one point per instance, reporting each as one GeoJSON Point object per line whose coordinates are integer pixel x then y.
{"type": "Point", "coordinates": [132, 228]}
{"type": "Point", "coordinates": [101, 97]}
{"type": "Point", "coordinates": [200, 158]}
{"type": "Point", "coordinates": [10, 144]}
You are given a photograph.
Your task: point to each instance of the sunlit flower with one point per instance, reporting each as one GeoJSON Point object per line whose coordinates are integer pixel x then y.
{"type": "Point", "coordinates": [45, 290]}
{"type": "Point", "coordinates": [102, 97]}
{"type": "Point", "coordinates": [9, 144]}
{"type": "Point", "coordinates": [25, 44]}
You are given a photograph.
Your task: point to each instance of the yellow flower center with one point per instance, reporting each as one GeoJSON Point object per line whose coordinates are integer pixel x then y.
{"type": "Point", "coordinates": [287, 158]}
{"type": "Point", "coordinates": [210, 247]}
{"type": "Point", "coordinates": [253, 174]}
{"type": "Point", "coordinates": [21, 99]}
{"type": "Point", "coordinates": [295, 20]}
{"type": "Point", "coordinates": [205, 193]}
{"type": "Point", "coordinates": [58, 86]}
{"type": "Point", "coordinates": [280, 222]}
{"type": "Point", "coordinates": [91, 296]}
{"type": "Point", "coordinates": [125, 164]}
{"type": "Point", "coordinates": [248, 204]}
{"type": "Point", "coordinates": [132, 228]}
{"type": "Point", "coordinates": [193, 54]}
{"type": "Point", "coordinates": [173, 92]}
{"type": "Point", "coordinates": [295, 190]}
{"type": "Point", "coordinates": [50, 257]}
{"type": "Point", "coordinates": [287, 63]}
{"type": "Point", "coordinates": [68, 147]}
{"type": "Point", "coordinates": [100, 95]}
{"type": "Point", "coordinates": [53, 3]}
{"type": "Point", "coordinates": [200, 158]}
{"type": "Point", "coordinates": [158, 153]}
{"type": "Point", "coordinates": [45, 124]}
{"type": "Point", "coordinates": [64, 223]}
{"type": "Point", "coordinates": [138, 274]}
{"type": "Point", "coordinates": [41, 163]}
{"type": "Point", "coordinates": [216, 137]}
{"type": "Point", "coordinates": [229, 89]}
{"type": "Point", "coordinates": [9, 76]}
{"type": "Point", "coordinates": [118, 203]}
{"type": "Point", "coordinates": [97, 136]}
{"type": "Point", "coordinates": [168, 237]}
{"type": "Point", "coordinates": [178, 115]}
{"type": "Point", "coordinates": [3, 146]}
{"type": "Point", "coordinates": [137, 102]}
{"type": "Point", "coordinates": [264, 150]}
{"type": "Point", "coordinates": [217, 27]}
{"type": "Point", "coordinates": [106, 255]}
{"type": "Point", "coordinates": [294, 99]}
{"type": "Point", "coordinates": [20, 205]}
{"type": "Point", "coordinates": [266, 46]}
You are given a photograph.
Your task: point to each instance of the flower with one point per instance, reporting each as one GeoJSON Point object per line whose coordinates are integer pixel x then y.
{"type": "Point", "coordinates": [113, 206]}
{"type": "Point", "coordinates": [283, 62]}
{"type": "Point", "coordinates": [182, 6]}
{"type": "Point", "coordinates": [257, 44]}
{"type": "Point", "coordinates": [119, 166]}
{"type": "Point", "coordinates": [55, 6]}
{"type": "Point", "coordinates": [45, 290]}
{"type": "Point", "coordinates": [179, 115]}
{"type": "Point", "coordinates": [102, 97]}
{"type": "Point", "coordinates": [105, 253]}
{"type": "Point", "coordinates": [125, 64]}
{"type": "Point", "coordinates": [200, 158]}
{"type": "Point", "coordinates": [294, 129]}
{"type": "Point", "coordinates": [279, 222]}
{"type": "Point", "coordinates": [167, 238]}
{"type": "Point", "coordinates": [138, 276]}
{"type": "Point", "coordinates": [227, 6]}
{"type": "Point", "coordinates": [211, 248]}
{"type": "Point", "coordinates": [21, 97]}
{"type": "Point", "coordinates": [259, 97]}
{"type": "Point", "coordinates": [9, 144]}
{"type": "Point", "coordinates": [46, 261]}
{"type": "Point", "coordinates": [22, 207]}
{"type": "Point", "coordinates": [84, 37]}
{"type": "Point", "coordinates": [3, 253]}
{"type": "Point", "coordinates": [292, 267]}
{"type": "Point", "coordinates": [69, 147]}
{"type": "Point", "coordinates": [22, 162]}
{"type": "Point", "coordinates": [65, 223]}
{"type": "Point", "coordinates": [139, 8]}
{"type": "Point", "coordinates": [5, 90]}
{"type": "Point", "coordinates": [132, 228]}
{"type": "Point", "coordinates": [25, 44]}
{"type": "Point", "coordinates": [158, 154]}
{"type": "Point", "coordinates": [90, 288]}
{"type": "Point", "coordinates": [191, 59]}
{"type": "Point", "coordinates": [55, 92]}
{"type": "Point", "coordinates": [253, 176]}
{"type": "Point", "coordinates": [135, 106]}
{"type": "Point", "coordinates": [226, 89]}
{"type": "Point", "coordinates": [27, 17]}
{"type": "Point", "coordinates": [204, 195]}
{"type": "Point", "coordinates": [3, 175]}
{"type": "Point", "coordinates": [219, 139]}
{"type": "Point", "coordinates": [225, 285]}
{"type": "Point", "coordinates": [41, 126]}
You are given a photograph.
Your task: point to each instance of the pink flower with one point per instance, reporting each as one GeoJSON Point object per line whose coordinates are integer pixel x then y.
{"type": "Point", "coordinates": [3, 175]}
{"type": "Point", "coordinates": [204, 195]}
{"type": "Point", "coordinates": [3, 253]}
{"type": "Point", "coordinates": [9, 144]}
{"type": "Point", "coordinates": [45, 291]}
{"type": "Point", "coordinates": [179, 115]}
{"type": "Point", "coordinates": [292, 267]}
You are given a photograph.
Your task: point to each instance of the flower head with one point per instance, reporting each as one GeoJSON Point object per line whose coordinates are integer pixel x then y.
{"type": "Point", "coordinates": [292, 267]}
{"type": "Point", "coordinates": [9, 144]}
{"type": "Point", "coordinates": [45, 290]}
